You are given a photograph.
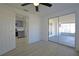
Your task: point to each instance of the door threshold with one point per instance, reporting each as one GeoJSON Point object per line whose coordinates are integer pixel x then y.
{"type": "Point", "coordinates": [62, 44]}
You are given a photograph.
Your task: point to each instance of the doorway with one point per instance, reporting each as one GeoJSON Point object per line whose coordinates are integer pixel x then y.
{"type": "Point", "coordinates": [20, 31]}
{"type": "Point", "coordinates": [62, 30]}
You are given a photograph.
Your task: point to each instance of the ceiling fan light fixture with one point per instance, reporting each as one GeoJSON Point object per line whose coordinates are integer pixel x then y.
{"type": "Point", "coordinates": [36, 4]}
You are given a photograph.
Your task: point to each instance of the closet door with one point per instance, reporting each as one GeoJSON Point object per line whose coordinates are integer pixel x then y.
{"type": "Point", "coordinates": [53, 29]}
{"type": "Point", "coordinates": [67, 30]}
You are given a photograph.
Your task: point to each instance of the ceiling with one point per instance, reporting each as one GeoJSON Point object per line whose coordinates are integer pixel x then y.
{"type": "Point", "coordinates": [43, 10]}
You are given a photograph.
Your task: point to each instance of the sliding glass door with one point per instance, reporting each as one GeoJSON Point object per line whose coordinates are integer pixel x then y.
{"type": "Point", "coordinates": [53, 29]}
{"type": "Point", "coordinates": [62, 30]}
{"type": "Point", "coordinates": [67, 30]}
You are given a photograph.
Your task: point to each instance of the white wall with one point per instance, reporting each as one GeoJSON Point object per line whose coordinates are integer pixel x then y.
{"type": "Point", "coordinates": [34, 28]}
{"type": "Point", "coordinates": [33, 20]}
{"type": "Point", "coordinates": [7, 30]}
{"type": "Point", "coordinates": [7, 27]}
{"type": "Point", "coordinates": [44, 28]}
{"type": "Point", "coordinates": [77, 30]}
{"type": "Point", "coordinates": [44, 23]}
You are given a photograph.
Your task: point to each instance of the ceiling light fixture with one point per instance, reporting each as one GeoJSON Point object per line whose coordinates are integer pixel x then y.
{"type": "Point", "coordinates": [36, 4]}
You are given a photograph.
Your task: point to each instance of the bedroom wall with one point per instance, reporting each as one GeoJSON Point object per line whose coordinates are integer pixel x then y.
{"type": "Point", "coordinates": [44, 23]}
{"type": "Point", "coordinates": [7, 27]}
{"type": "Point", "coordinates": [7, 30]}
{"type": "Point", "coordinates": [33, 24]}
{"type": "Point", "coordinates": [34, 28]}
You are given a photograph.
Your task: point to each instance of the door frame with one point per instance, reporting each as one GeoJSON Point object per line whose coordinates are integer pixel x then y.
{"type": "Point", "coordinates": [58, 29]}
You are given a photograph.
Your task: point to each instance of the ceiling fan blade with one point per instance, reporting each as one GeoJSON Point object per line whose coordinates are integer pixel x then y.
{"type": "Point", "coordinates": [37, 9]}
{"type": "Point", "coordinates": [47, 4]}
{"type": "Point", "coordinates": [25, 4]}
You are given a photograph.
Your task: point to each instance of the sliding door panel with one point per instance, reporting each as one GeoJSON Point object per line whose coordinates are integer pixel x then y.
{"type": "Point", "coordinates": [67, 30]}
{"type": "Point", "coordinates": [53, 29]}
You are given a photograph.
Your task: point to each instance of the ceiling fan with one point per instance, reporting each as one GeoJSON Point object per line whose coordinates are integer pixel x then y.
{"type": "Point", "coordinates": [37, 4]}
